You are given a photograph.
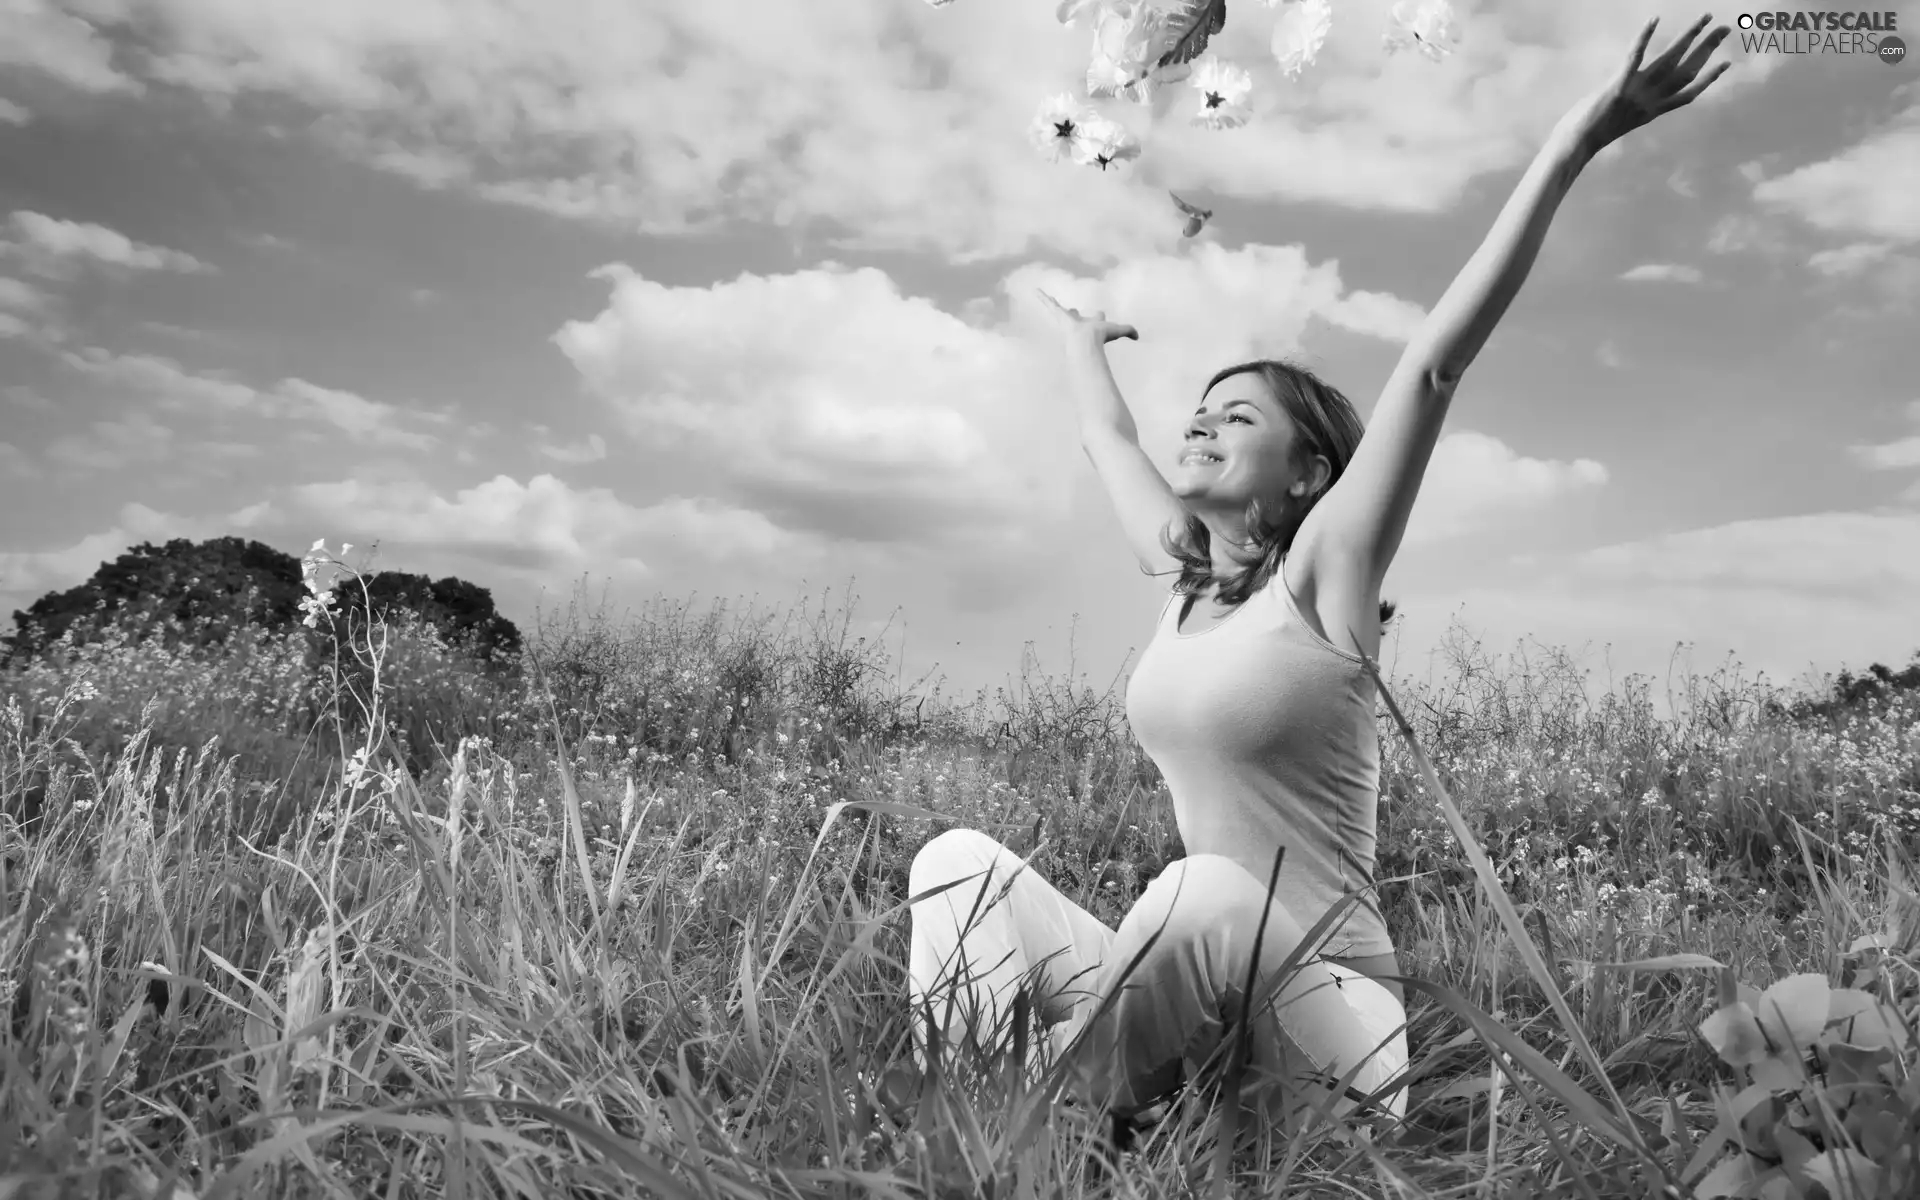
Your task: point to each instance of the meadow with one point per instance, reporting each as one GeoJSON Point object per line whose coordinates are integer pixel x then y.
{"type": "Point", "coordinates": [629, 920]}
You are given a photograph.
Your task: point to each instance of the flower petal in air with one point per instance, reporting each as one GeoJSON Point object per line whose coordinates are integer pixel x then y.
{"type": "Point", "coordinates": [1070, 12]}
{"type": "Point", "coordinates": [1104, 142]}
{"type": "Point", "coordinates": [1426, 24]}
{"type": "Point", "coordinates": [1120, 45]}
{"type": "Point", "coordinates": [1299, 34]}
{"type": "Point", "coordinates": [1223, 116]}
{"type": "Point", "coordinates": [1223, 92]}
{"type": "Point", "coordinates": [1056, 127]}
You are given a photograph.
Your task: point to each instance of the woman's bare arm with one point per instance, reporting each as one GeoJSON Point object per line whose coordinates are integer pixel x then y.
{"type": "Point", "coordinates": [1356, 529]}
{"type": "Point", "coordinates": [1141, 496]}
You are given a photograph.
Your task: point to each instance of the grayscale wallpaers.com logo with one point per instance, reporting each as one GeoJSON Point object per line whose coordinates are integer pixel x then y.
{"type": "Point", "coordinates": [1871, 34]}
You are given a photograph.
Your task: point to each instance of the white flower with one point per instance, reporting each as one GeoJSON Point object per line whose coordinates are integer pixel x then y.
{"type": "Point", "coordinates": [1105, 141]}
{"type": "Point", "coordinates": [1223, 92]}
{"type": "Point", "coordinates": [1127, 41]}
{"type": "Point", "coordinates": [1299, 34]}
{"type": "Point", "coordinates": [1427, 24]}
{"type": "Point", "coordinates": [1056, 127]}
{"type": "Point", "coordinates": [1070, 11]}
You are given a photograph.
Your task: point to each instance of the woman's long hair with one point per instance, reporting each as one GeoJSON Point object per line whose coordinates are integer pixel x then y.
{"type": "Point", "coordinates": [1328, 426]}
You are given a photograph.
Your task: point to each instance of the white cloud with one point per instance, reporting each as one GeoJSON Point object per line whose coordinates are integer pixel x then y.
{"type": "Point", "coordinates": [825, 397]}
{"type": "Point", "coordinates": [35, 35]}
{"type": "Point", "coordinates": [836, 405]}
{"type": "Point", "coordinates": [1866, 190]}
{"type": "Point", "coordinates": [1853, 553]}
{"type": "Point", "coordinates": [1890, 456]}
{"type": "Point", "coordinates": [1377, 314]}
{"type": "Point", "coordinates": [1850, 259]}
{"type": "Point", "coordinates": [20, 296]}
{"type": "Point", "coordinates": [1737, 233]}
{"type": "Point", "coordinates": [895, 125]}
{"type": "Point", "coordinates": [1473, 478]}
{"type": "Point", "coordinates": [1783, 595]}
{"type": "Point", "coordinates": [366, 421]}
{"type": "Point", "coordinates": [592, 449]}
{"type": "Point", "coordinates": [180, 390]}
{"type": "Point", "coordinates": [113, 445]}
{"type": "Point", "coordinates": [1899, 454]}
{"type": "Point", "coordinates": [176, 387]}
{"type": "Point", "coordinates": [541, 526]}
{"type": "Point", "coordinates": [13, 114]}
{"type": "Point", "coordinates": [26, 575]}
{"type": "Point", "coordinates": [15, 463]}
{"type": "Point", "coordinates": [1662, 273]}
{"type": "Point", "coordinates": [52, 241]}
{"type": "Point", "coordinates": [1609, 355]}
{"type": "Point", "coordinates": [1893, 275]}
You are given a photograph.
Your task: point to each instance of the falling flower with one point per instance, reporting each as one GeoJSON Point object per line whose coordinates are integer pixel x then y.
{"type": "Point", "coordinates": [1056, 127]}
{"type": "Point", "coordinates": [1223, 89]}
{"type": "Point", "coordinates": [1119, 52]}
{"type": "Point", "coordinates": [1299, 34]}
{"type": "Point", "coordinates": [1427, 24]}
{"type": "Point", "coordinates": [1128, 39]}
{"type": "Point", "coordinates": [1070, 11]}
{"type": "Point", "coordinates": [1105, 141]}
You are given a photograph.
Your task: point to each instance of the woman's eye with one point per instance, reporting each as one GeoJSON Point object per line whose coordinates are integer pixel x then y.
{"type": "Point", "coordinates": [1238, 417]}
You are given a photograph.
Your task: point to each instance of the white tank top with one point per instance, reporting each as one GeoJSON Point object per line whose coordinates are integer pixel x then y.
{"type": "Point", "coordinates": [1265, 734]}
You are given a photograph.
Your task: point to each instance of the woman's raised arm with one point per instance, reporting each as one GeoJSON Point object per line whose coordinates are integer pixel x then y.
{"type": "Point", "coordinates": [1142, 499]}
{"type": "Point", "coordinates": [1356, 529]}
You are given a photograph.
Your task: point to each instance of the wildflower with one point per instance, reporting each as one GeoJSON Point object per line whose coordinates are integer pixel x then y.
{"type": "Point", "coordinates": [1223, 89]}
{"type": "Point", "coordinates": [1426, 24]}
{"type": "Point", "coordinates": [1056, 127]}
{"type": "Point", "coordinates": [1299, 34]}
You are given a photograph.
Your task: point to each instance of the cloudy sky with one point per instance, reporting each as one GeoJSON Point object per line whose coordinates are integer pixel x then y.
{"type": "Point", "coordinates": [735, 300]}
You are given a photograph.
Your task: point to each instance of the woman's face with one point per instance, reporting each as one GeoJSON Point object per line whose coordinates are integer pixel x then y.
{"type": "Point", "coordinates": [1241, 445]}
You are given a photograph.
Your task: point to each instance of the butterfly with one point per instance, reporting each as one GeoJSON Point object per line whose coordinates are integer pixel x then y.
{"type": "Point", "coordinates": [1196, 217]}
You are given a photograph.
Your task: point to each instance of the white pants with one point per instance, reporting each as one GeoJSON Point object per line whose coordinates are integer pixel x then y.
{"type": "Point", "coordinates": [971, 952]}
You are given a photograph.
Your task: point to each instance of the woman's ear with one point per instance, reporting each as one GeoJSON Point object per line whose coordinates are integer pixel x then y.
{"type": "Point", "coordinates": [1313, 477]}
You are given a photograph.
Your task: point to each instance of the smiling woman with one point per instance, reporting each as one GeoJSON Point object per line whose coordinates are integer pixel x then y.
{"type": "Point", "coordinates": [1268, 417]}
{"type": "Point", "coordinates": [1259, 710]}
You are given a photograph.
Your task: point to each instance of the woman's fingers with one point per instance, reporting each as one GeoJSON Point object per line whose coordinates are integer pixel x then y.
{"type": "Point", "coordinates": [1703, 52]}
{"type": "Point", "coordinates": [1689, 93]}
{"type": "Point", "coordinates": [1672, 53]}
{"type": "Point", "coordinates": [1639, 52]}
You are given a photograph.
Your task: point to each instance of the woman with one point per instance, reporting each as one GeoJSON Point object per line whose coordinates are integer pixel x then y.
{"type": "Point", "coordinates": [1254, 700]}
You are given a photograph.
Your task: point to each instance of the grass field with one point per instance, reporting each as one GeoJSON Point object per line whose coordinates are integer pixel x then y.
{"type": "Point", "coordinates": [648, 939]}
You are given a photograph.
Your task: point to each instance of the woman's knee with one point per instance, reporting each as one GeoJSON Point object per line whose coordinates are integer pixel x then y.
{"type": "Point", "coordinates": [953, 855]}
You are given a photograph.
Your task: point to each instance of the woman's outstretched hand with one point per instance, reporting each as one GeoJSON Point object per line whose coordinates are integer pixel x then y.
{"type": "Point", "coordinates": [1095, 328]}
{"type": "Point", "coordinates": [1641, 90]}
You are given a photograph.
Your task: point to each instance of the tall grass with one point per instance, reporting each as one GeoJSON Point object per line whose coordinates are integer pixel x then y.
{"type": "Point", "coordinates": [629, 921]}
